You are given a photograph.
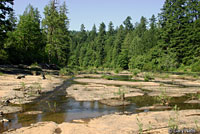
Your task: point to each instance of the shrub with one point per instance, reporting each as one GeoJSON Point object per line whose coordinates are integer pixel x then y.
{"type": "Point", "coordinates": [135, 71]}
{"type": "Point", "coordinates": [108, 77]}
{"type": "Point", "coordinates": [163, 98]}
{"type": "Point", "coordinates": [137, 62]}
{"type": "Point", "coordinates": [92, 70]}
{"type": "Point", "coordinates": [1, 73]}
{"type": "Point", "coordinates": [118, 70]}
{"type": "Point", "coordinates": [196, 67]}
{"type": "Point", "coordinates": [148, 76]}
{"type": "Point", "coordinates": [35, 67]}
{"type": "Point", "coordinates": [65, 71]}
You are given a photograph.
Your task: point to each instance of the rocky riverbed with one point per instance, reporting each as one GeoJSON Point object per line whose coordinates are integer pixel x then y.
{"type": "Point", "coordinates": [149, 122]}
{"type": "Point", "coordinates": [24, 90]}
{"type": "Point", "coordinates": [112, 90]}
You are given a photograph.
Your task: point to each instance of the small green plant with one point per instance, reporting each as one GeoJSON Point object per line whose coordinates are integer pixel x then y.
{"type": "Point", "coordinates": [196, 67]}
{"type": "Point", "coordinates": [64, 71]}
{"type": "Point", "coordinates": [23, 86]}
{"type": "Point", "coordinates": [148, 77]}
{"type": "Point", "coordinates": [140, 125]}
{"type": "Point", "coordinates": [35, 67]}
{"type": "Point", "coordinates": [163, 98]}
{"type": "Point", "coordinates": [118, 70]}
{"type": "Point", "coordinates": [150, 126]}
{"type": "Point", "coordinates": [1, 73]}
{"type": "Point", "coordinates": [121, 94]}
{"type": "Point", "coordinates": [197, 126]}
{"type": "Point", "coordinates": [52, 108]}
{"type": "Point", "coordinates": [194, 96]}
{"type": "Point", "coordinates": [198, 96]}
{"type": "Point", "coordinates": [135, 72]}
{"type": "Point", "coordinates": [38, 86]}
{"type": "Point", "coordinates": [92, 70]}
{"type": "Point", "coordinates": [174, 120]}
{"type": "Point", "coordinates": [108, 77]}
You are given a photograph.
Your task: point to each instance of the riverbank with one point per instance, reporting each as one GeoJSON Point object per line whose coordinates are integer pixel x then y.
{"type": "Point", "coordinates": [150, 98]}
{"type": "Point", "coordinates": [148, 122]}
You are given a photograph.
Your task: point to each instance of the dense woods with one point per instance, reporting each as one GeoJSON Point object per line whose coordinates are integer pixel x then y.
{"type": "Point", "coordinates": [166, 42]}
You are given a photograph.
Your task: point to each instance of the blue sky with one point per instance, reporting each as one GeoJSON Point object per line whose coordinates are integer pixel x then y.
{"type": "Point", "coordinates": [90, 12]}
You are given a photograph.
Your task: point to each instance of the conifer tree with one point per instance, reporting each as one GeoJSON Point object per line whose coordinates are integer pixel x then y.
{"type": "Point", "coordinates": [26, 42]}
{"type": "Point", "coordinates": [55, 26]}
{"type": "Point", "coordinates": [100, 43]}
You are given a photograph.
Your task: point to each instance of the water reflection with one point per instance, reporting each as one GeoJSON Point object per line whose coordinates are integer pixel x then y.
{"type": "Point", "coordinates": [67, 109]}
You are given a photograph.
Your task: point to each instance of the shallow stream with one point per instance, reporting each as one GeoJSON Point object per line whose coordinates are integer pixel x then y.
{"type": "Point", "coordinates": [59, 108]}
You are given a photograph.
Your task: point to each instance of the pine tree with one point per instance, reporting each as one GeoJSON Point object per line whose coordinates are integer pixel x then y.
{"type": "Point", "coordinates": [128, 25]}
{"type": "Point", "coordinates": [124, 55]}
{"type": "Point", "coordinates": [117, 46]}
{"type": "Point", "coordinates": [5, 10]}
{"type": "Point", "coordinates": [55, 26]}
{"type": "Point", "coordinates": [26, 42]}
{"type": "Point", "coordinates": [100, 43]}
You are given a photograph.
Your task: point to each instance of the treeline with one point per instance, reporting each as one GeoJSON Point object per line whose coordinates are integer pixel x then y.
{"type": "Point", "coordinates": [32, 40]}
{"type": "Point", "coordinates": [167, 42]}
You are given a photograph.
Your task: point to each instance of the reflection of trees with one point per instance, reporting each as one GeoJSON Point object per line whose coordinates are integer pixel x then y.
{"type": "Point", "coordinates": [81, 103]}
{"type": "Point", "coordinates": [92, 105]}
{"type": "Point", "coordinates": [58, 117]}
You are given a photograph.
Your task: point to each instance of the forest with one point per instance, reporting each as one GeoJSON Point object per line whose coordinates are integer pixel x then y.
{"type": "Point", "coordinates": [168, 41]}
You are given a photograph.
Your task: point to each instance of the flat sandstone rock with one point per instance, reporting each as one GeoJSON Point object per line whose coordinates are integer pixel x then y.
{"type": "Point", "coordinates": [118, 124]}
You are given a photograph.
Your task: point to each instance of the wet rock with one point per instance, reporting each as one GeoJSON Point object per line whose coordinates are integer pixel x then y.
{"type": "Point", "coordinates": [193, 101]}
{"type": "Point", "coordinates": [10, 109]}
{"type": "Point", "coordinates": [114, 102]}
{"type": "Point", "coordinates": [156, 107]}
{"type": "Point", "coordinates": [78, 121]}
{"type": "Point", "coordinates": [91, 92]}
{"type": "Point", "coordinates": [38, 128]}
{"type": "Point", "coordinates": [4, 120]}
{"type": "Point", "coordinates": [33, 112]}
{"type": "Point", "coordinates": [21, 101]}
{"type": "Point", "coordinates": [117, 124]}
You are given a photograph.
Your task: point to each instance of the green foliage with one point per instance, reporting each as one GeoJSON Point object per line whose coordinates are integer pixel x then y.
{"type": "Point", "coordinates": [5, 25]}
{"type": "Point", "coordinates": [108, 77]}
{"type": "Point", "coordinates": [37, 86]}
{"type": "Point", "coordinates": [1, 73]}
{"type": "Point", "coordinates": [137, 62]}
{"type": "Point", "coordinates": [140, 125]}
{"type": "Point", "coordinates": [24, 45]}
{"type": "Point", "coordinates": [121, 93]}
{"type": "Point", "coordinates": [35, 67]}
{"type": "Point", "coordinates": [135, 71]}
{"type": "Point", "coordinates": [23, 86]}
{"type": "Point", "coordinates": [55, 25]}
{"type": "Point", "coordinates": [65, 71]}
{"type": "Point", "coordinates": [195, 96]}
{"type": "Point", "coordinates": [174, 120]}
{"type": "Point", "coordinates": [163, 98]}
{"type": "Point", "coordinates": [53, 107]}
{"type": "Point", "coordinates": [167, 44]}
{"type": "Point", "coordinates": [118, 70]}
{"type": "Point", "coordinates": [196, 67]}
{"type": "Point", "coordinates": [148, 76]}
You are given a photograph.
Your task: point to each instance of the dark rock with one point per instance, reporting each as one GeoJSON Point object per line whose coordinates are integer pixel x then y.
{"type": "Point", "coordinates": [21, 76]}
{"type": "Point", "coordinates": [43, 76]}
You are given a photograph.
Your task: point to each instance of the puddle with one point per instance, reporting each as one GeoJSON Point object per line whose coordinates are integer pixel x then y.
{"type": "Point", "coordinates": [141, 101]}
